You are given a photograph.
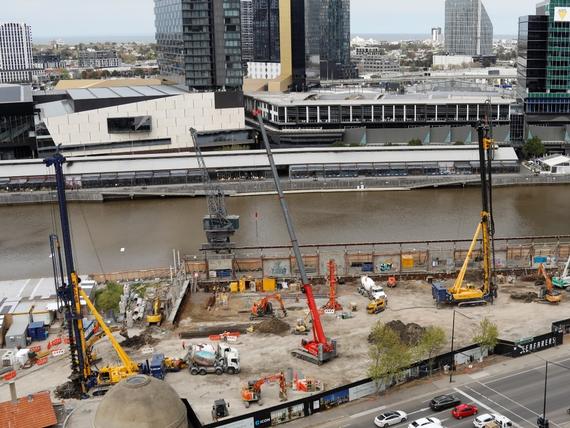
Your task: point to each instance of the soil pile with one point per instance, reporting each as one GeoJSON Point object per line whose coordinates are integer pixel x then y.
{"type": "Point", "coordinates": [272, 326]}
{"type": "Point", "coordinates": [410, 334]}
{"type": "Point", "coordinates": [137, 342]}
{"type": "Point", "coordinates": [527, 297]}
{"type": "Point", "coordinates": [67, 390]}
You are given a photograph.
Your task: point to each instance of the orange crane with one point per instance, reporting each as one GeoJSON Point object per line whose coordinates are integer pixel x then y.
{"type": "Point", "coordinates": [332, 304]}
{"type": "Point", "coordinates": [548, 293]}
{"type": "Point", "coordinates": [263, 308]}
{"type": "Point", "coordinates": [252, 392]}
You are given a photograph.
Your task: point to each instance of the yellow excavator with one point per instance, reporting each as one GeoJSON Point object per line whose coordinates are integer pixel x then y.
{"type": "Point", "coordinates": [156, 317]}
{"type": "Point", "coordinates": [469, 295]}
{"type": "Point", "coordinates": [547, 292]}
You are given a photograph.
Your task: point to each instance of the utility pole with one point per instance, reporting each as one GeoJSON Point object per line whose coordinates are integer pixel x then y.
{"type": "Point", "coordinates": [452, 353]}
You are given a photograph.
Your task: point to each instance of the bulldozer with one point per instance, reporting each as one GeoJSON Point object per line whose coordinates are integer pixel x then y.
{"type": "Point", "coordinates": [376, 306]}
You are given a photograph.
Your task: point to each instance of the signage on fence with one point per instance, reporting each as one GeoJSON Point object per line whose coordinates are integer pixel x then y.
{"type": "Point", "coordinates": [10, 375]}
{"type": "Point", "coordinates": [42, 361]}
{"type": "Point", "coordinates": [538, 343]}
{"type": "Point", "coordinates": [245, 423]}
{"type": "Point", "coordinates": [58, 352]}
{"type": "Point", "coordinates": [360, 391]}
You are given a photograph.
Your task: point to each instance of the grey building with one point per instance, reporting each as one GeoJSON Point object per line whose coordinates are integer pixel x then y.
{"type": "Point", "coordinates": [17, 137]}
{"type": "Point", "coordinates": [199, 42]}
{"type": "Point", "coordinates": [468, 28]}
{"type": "Point", "coordinates": [247, 30]}
{"type": "Point", "coordinates": [335, 40]}
{"type": "Point", "coordinates": [98, 59]}
{"type": "Point", "coordinates": [266, 31]}
{"type": "Point", "coordinates": [15, 52]}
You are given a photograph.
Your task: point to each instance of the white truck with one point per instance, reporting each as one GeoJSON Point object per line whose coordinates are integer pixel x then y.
{"type": "Point", "coordinates": [205, 358]}
{"type": "Point", "coordinates": [370, 289]}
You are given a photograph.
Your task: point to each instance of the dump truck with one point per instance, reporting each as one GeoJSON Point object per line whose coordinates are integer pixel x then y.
{"type": "Point", "coordinates": [370, 289]}
{"type": "Point", "coordinates": [205, 358]}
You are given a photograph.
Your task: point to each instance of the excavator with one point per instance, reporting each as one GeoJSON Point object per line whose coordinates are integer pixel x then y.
{"type": "Point", "coordinates": [547, 292]}
{"type": "Point", "coordinates": [320, 349]}
{"type": "Point", "coordinates": [156, 317]}
{"type": "Point", "coordinates": [263, 308]}
{"type": "Point", "coordinates": [468, 295]}
{"type": "Point", "coordinates": [251, 393]}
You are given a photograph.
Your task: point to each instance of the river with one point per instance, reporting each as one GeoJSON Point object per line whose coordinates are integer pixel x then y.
{"type": "Point", "coordinates": [148, 230]}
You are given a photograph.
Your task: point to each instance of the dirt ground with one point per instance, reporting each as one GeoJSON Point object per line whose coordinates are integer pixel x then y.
{"type": "Point", "coordinates": [263, 354]}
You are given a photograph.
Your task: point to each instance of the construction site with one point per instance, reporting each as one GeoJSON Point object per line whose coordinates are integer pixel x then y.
{"type": "Point", "coordinates": [229, 343]}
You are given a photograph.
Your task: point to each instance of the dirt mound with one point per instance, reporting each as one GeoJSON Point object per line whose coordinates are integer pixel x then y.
{"type": "Point", "coordinates": [410, 334]}
{"type": "Point", "coordinates": [527, 297]}
{"type": "Point", "coordinates": [67, 390]}
{"type": "Point", "coordinates": [137, 342]}
{"type": "Point", "coordinates": [272, 326]}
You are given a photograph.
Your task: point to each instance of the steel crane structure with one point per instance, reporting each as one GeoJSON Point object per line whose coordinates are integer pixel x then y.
{"type": "Point", "coordinates": [218, 225]}
{"type": "Point", "coordinates": [320, 349]}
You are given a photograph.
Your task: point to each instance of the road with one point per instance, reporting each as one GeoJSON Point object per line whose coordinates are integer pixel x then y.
{"type": "Point", "coordinates": [515, 393]}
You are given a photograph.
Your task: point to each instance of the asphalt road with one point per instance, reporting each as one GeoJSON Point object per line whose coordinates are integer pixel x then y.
{"type": "Point", "coordinates": [518, 396]}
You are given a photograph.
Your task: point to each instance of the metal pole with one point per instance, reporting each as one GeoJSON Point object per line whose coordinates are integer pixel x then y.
{"type": "Point", "coordinates": [545, 385]}
{"type": "Point", "coordinates": [452, 354]}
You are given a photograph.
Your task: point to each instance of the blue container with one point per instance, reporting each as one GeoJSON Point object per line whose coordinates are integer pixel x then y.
{"type": "Point", "coordinates": [37, 331]}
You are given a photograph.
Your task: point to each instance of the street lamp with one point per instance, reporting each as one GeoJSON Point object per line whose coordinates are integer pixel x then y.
{"type": "Point", "coordinates": [452, 339]}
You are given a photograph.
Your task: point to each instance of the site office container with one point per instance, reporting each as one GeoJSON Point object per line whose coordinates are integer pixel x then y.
{"type": "Point", "coordinates": [17, 334]}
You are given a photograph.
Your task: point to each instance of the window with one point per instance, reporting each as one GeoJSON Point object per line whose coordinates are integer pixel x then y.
{"type": "Point", "coordinates": [129, 124]}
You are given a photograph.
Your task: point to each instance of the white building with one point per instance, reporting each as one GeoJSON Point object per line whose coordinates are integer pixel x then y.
{"type": "Point", "coordinates": [263, 70]}
{"type": "Point", "coordinates": [447, 61]}
{"type": "Point", "coordinates": [247, 30]}
{"type": "Point", "coordinates": [91, 58]}
{"type": "Point", "coordinates": [437, 35]}
{"type": "Point", "coordinates": [556, 164]}
{"type": "Point", "coordinates": [16, 63]}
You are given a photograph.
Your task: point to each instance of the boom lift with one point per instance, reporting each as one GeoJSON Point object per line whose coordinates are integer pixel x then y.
{"type": "Point", "coordinates": [319, 349]}
{"type": "Point", "coordinates": [548, 293]}
{"type": "Point", "coordinates": [218, 225]}
{"type": "Point", "coordinates": [468, 295]}
{"type": "Point", "coordinates": [563, 280]}
{"type": "Point", "coordinates": [263, 308]}
{"type": "Point", "coordinates": [252, 392]}
{"type": "Point", "coordinates": [84, 376]}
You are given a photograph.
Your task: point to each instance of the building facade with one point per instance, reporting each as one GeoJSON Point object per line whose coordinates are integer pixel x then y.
{"type": "Point", "coordinates": [436, 35]}
{"type": "Point", "coordinates": [98, 59]}
{"type": "Point", "coordinates": [373, 60]}
{"type": "Point", "coordinates": [468, 28]}
{"type": "Point", "coordinates": [199, 42]}
{"type": "Point", "coordinates": [266, 38]}
{"type": "Point", "coordinates": [335, 40]}
{"type": "Point", "coordinates": [16, 64]}
{"type": "Point", "coordinates": [17, 139]}
{"type": "Point", "coordinates": [247, 32]}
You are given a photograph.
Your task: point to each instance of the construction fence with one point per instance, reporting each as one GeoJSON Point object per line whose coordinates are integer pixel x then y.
{"type": "Point", "coordinates": [406, 258]}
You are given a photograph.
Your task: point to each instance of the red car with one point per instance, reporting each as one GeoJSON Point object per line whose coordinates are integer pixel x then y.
{"type": "Point", "coordinates": [464, 410]}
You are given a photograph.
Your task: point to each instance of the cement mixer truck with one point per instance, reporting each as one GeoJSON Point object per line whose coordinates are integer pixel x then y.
{"type": "Point", "coordinates": [369, 289]}
{"type": "Point", "coordinates": [205, 358]}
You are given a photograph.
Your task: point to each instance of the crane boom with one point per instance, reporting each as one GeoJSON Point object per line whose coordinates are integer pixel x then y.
{"type": "Point", "coordinates": [320, 349]}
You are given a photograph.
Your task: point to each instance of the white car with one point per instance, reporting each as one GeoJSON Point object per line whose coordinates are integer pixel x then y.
{"type": "Point", "coordinates": [423, 422]}
{"type": "Point", "coordinates": [390, 418]}
{"type": "Point", "coordinates": [502, 421]}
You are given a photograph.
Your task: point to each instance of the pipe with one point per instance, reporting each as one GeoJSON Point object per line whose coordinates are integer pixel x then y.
{"type": "Point", "coordinates": [13, 394]}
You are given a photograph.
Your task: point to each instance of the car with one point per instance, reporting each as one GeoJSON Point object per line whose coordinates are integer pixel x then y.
{"type": "Point", "coordinates": [424, 422]}
{"type": "Point", "coordinates": [390, 418]}
{"type": "Point", "coordinates": [464, 410]}
{"type": "Point", "coordinates": [442, 402]}
{"type": "Point", "coordinates": [486, 418]}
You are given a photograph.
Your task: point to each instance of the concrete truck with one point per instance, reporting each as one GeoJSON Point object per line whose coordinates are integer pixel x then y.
{"type": "Point", "coordinates": [369, 289]}
{"type": "Point", "coordinates": [205, 358]}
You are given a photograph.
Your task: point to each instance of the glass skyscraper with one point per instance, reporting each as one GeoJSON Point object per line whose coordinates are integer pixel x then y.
{"type": "Point", "coordinates": [335, 39]}
{"type": "Point", "coordinates": [199, 42]}
{"type": "Point", "coordinates": [247, 37]}
{"type": "Point", "coordinates": [468, 28]}
{"type": "Point", "coordinates": [266, 30]}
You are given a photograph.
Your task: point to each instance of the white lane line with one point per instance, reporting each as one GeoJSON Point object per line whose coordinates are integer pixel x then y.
{"type": "Point", "coordinates": [524, 371]}
{"type": "Point", "coordinates": [36, 288]}
{"type": "Point", "coordinates": [367, 412]}
{"type": "Point", "coordinates": [418, 411]}
{"type": "Point", "coordinates": [489, 409]}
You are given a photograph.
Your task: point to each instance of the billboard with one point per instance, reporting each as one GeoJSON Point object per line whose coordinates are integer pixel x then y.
{"type": "Point", "coordinates": [562, 14]}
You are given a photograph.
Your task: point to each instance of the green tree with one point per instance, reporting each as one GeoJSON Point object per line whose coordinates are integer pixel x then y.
{"type": "Point", "coordinates": [108, 298]}
{"type": "Point", "coordinates": [415, 142]}
{"type": "Point", "coordinates": [389, 356]}
{"type": "Point", "coordinates": [487, 335]}
{"type": "Point", "coordinates": [431, 342]}
{"type": "Point", "coordinates": [533, 148]}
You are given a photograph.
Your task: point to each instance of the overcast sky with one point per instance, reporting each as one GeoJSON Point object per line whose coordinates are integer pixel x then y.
{"type": "Point", "coordinates": [72, 18]}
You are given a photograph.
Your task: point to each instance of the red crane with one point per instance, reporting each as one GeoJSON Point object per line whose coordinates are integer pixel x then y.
{"type": "Point", "coordinates": [332, 304]}
{"type": "Point", "coordinates": [319, 349]}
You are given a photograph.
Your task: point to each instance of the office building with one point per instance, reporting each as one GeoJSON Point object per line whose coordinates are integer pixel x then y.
{"type": "Point", "coordinates": [335, 40]}
{"type": "Point", "coordinates": [199, 42]}
{"type": "Point", "coordinates": [91, 58]}
{"type": "Point", "coordinates": [17, 140]}
{"type": "Point", "coordinates": [436, 35]}
{"type": "Point", "coordinates": [247, 34]}
{"type": "Point", "coordinates": [544, 74]}
{"type": "Point", "coordinates": [373, 60]}
{"type": "Point", "coordinates": [266, 31]}
{"type": "Point", "coordinates": [16, 63]}
{"type": "Point", "coordinates": [468, 28]}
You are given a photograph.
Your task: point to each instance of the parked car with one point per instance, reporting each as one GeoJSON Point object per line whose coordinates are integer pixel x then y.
{"type": "Point", "coordinates": [464, 410]}
{"type": "Point", "coordinates": [390, 418]}
{"type": "Point", "coordinates": [424, 422]}
{"type": "Point", "coordinates": [488, 418]}
{"type": "Point", "coordinates": [442, 402]}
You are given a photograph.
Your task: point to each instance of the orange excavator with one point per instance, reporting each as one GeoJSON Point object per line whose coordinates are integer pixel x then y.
{"type": "Point", "coordinates": [263, 308]}
{"type": "Point", "coordinates": [547, 293]}
{"type": "Point", "coordinates": [252, 392]}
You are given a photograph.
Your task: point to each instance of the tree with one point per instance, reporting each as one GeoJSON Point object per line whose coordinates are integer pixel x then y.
{"type": "Point", "coordinates": [415, 142]}
{"type": "Point", "coordinates": [533, 148]}
{"type": "Point", "coordinates": [488, 335]}
{"type": "Point", "coordinates": [431, 342]}
{"type": "Point", "coordinates": [389, 356]}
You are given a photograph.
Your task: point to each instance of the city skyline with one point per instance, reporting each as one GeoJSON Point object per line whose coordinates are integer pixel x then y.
{"type": "Point", "coordinates": [136, 17]}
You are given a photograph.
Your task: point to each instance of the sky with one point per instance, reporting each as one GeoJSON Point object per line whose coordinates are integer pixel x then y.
{"type": "Point", "coordinates": [80, 18]}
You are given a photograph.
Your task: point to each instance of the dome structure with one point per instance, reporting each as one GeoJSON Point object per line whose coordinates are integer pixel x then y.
{"type": "Point", "coordinates": [141, 401]}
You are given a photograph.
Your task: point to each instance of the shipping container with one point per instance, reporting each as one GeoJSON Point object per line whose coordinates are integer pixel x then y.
{"type": "Point", "coordinates": [17, 333]}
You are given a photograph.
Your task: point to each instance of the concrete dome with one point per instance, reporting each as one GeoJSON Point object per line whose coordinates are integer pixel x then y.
{"type": "Point", "coordinates": [141, 401]}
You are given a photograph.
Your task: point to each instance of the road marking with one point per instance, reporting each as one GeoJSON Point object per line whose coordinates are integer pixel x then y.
{"type": "Point", "coordinates": [367, 412]}
{"type": "Point", "coordinates": [525, 371]}
{"type": "Point", "coordinates": [418, 411]}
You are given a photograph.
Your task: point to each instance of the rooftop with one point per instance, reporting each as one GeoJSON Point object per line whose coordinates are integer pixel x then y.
{"type": "Point", "coordinates": [15, 94]}
{"type": "Point", "coordinates": [34, 411]}
{"type": "Point", "coordinates": [105, 83]}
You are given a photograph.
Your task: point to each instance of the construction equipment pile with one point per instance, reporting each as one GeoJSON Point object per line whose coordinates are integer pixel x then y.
{"type": "Point", "coordinates": [272, 326]}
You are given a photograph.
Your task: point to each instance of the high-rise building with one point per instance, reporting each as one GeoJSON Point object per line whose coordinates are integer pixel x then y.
{"type": "Point", "coordinates": [436, 35]}
{"type": "Point", "coordinates": [335, 40]}
{"type": "Point", "coordinates": [199, 42]}
{"type": "Point", "coordinates": [468, 28]}
{"type": "Point", "coordinates": [16, 64]}
{"type": "Point", "coordinates": [266, 31]}
{"type": "Point", "coordinates": [544, 72]}
{"type": "Point", "coordinates": [98, 59]}
{"type": "Point", "coordinates": [247, 34]}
